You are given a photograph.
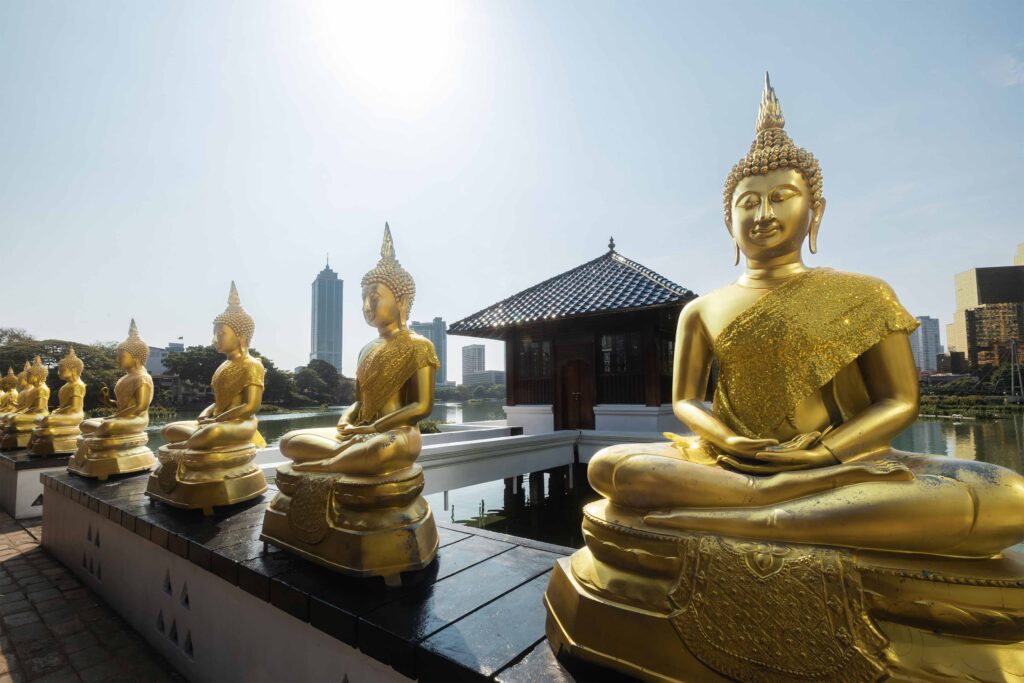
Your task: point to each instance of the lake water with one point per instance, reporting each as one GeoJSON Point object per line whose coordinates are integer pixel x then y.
{"type": "Point", "coordinates": [547, 506]}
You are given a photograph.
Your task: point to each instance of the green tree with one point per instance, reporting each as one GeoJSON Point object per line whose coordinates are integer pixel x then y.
{"type": "Point", "coordinates": [196, 364]}
{"type": "Point", "coordinates": [10, 335]}
{"type": "Point", "coordinates": [100, 364]}
{"type": "Point", "coordinates": [310, 384]}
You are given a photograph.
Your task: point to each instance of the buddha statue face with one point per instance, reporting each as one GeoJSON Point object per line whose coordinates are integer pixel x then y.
{"type": "Point", "coordinates": [125, 360]}
{"type": "Point", "coordinates": [773, 213]}
{"type": "Point", "coordinates": [225, 340]}
{"type": "Point", "coordinates": [380, 306]}
{"type": "Point", "coordinates": [65, 373]}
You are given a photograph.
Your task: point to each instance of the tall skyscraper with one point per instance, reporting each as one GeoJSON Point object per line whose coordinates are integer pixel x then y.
{"type": "Point", "coordinates": [924, 342]}
{"type": "Point", "coordinates": [436, 332]}
{"type": "Point", "coordinates": [1018, 260]}
{"type": "Point", "coordinates": [325, 336]}
{"type": "Point", "coordinates": [472, 360]}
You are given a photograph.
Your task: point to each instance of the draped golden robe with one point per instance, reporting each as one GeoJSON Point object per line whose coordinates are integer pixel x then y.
{"type": "Point", "coordinates": [792, 342]}
{"type": "Point", "coordinates": [230, 378]}
{"type": "Point", "coordinates": [388, 366]}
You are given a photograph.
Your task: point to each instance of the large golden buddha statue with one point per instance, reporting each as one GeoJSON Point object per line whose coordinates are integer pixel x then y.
{"type": "Point", "coordinates": [116, 444]}
{"type": "Point", "coordinates": [352, 499]}
{"type": "Point", "coordinates": [8, 392]}
{"type": "Point", "coordinates": [32, 403]}
{"type": "Point", "coordinates": [208, 462]}
{"type": "Point", "coordinates": [786, 539]}
{"type": "Point", "coordinates": [58, 432]}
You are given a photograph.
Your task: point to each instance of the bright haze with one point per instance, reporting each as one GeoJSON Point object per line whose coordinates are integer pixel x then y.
{"type": "Point", "coordinates": [152, 152]}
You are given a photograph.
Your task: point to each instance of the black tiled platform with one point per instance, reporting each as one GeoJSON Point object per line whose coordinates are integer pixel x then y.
{"type": "Point", "coordinates": [21, 460]}
{"type": "Point", "coordinates": [474, 614]}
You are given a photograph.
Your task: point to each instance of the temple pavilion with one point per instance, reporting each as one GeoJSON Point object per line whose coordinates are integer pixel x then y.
{"type": "Point", "coordinates": [588, 349]}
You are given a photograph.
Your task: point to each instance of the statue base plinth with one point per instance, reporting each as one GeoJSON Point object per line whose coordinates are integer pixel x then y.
{"type": "Point", "coordinates": [673, 606]}
{"type": "Point", "coordinates": [359, 526]}
{"type": "Point", "coordinates": [203, 480]}
{"type": "Point", "coordinates": [14, 441]}
{"type": "Point", "coordinates": [41, 446]}
{"type": "Point", "coordinates": [102, 457]}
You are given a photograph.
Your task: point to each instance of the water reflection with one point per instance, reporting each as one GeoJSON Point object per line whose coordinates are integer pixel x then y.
{"type": "Point", "coordinates": [1000, 442]}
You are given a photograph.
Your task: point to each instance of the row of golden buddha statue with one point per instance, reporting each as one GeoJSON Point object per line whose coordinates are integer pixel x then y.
{"type": "Point", "coordinates": [784, 540]}
{"type": "Point", "coordinates": [352, 500]}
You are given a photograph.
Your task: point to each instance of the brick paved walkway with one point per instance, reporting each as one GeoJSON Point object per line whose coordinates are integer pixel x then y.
{"type": "Point", "coordinates": [54, 629]}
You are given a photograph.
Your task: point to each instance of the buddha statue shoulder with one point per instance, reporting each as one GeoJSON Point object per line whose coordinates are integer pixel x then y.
{"type": "Point", "coordinates": [362, 474]}
{"type": "Point", "coordinates": [208, 462]}
{"type": "Point", "coordinates": [58, 432]}
{"type": "Point", "coordinates": [116, 444]}
{"type": "Point", "coordinates": [33, 402]}
{"type": "Point", "coordinates": [8, 392]}
{"type": "Point", "coordinates": [791, 461]}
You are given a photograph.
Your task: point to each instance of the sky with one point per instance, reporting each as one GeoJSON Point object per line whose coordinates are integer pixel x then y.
{"type": "Point", "coordinates": [151, 152]}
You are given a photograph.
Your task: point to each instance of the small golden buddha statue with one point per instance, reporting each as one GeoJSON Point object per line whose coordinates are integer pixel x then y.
{"type": "Point", "coordinates": [208, 462]}
{"type": "Point", "coordinates": [58, 432]}
{"type": "Point", "coordinates": [8, 392]}
{"type": "Point", "coordinates": [117, 444]}
{"type": "Point", "coordinates": [21, 398]}
{"type": "Point", "coordinates": [786, 539]}
{"type": "Point", "coordinates": [17, 427]}
{"type": "Point", "coordinates": [351, 500]}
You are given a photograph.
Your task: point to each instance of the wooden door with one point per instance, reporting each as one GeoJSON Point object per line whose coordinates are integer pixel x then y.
{"type": "Point", "coordinates": [577, 394]}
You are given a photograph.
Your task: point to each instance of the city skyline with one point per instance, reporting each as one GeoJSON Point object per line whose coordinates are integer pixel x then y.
{"type": "Point", "coordinates": [504, 146]}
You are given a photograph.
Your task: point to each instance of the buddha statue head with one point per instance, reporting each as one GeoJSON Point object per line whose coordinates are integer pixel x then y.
{"type": "Point", "coordinates": [8, 381]}
{"type": "Point", "coordinates": [772, 198]}
{"type": "Point", "coordinates": [233, 329]}
{"type": "Point", "coordinates": [37, 373]}
{"type": "Point", "coordinates": [70, 366]}
{"type": "Point", "coordinates": [23, 377]}
{"type": "Point", "coordinates": [388, 289]}
{"type": "Point", "coordinates": [132, 352]}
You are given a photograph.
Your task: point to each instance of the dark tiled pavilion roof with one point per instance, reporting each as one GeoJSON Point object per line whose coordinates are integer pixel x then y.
{"type": "Point", "coordinates": [609, 283]}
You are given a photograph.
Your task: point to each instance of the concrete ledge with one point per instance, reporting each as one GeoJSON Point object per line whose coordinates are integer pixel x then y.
{"type": "Point", "coordinates": [534, 419]}
{"type": "Point", "coordinates": [208, 597]}
{"type": "Point", "coordinates": [636, 418]}
{"type": "Point", "coordinates": [21, 491]}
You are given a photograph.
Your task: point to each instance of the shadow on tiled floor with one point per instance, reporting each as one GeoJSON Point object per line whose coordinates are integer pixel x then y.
{"type": "Point", "coordinates": [52, 628]}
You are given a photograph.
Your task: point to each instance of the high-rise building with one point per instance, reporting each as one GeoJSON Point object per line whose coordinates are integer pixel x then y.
{"type": "Point", "coordinates": [1018, 260]}
{"type": "Point", "coordinates": [325, 335]}
{"type": "Point", "coordinates": [473, 360]}
{"type": "Point", "coordinates": [976, 289]}
{"type": "Point", "coordinates": [924, 342]}
{"type": "Point", "coordinates": [437, 332]}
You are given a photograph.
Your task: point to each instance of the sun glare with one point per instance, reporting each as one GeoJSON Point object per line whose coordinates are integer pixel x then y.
{"type": "Point", "coordinates": [395, 53]}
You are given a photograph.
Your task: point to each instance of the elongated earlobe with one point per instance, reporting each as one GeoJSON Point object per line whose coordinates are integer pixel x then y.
{"type": "Point", "coordinates": [736, 253]}
{"type": "Point", "coordinates": [819, 212]}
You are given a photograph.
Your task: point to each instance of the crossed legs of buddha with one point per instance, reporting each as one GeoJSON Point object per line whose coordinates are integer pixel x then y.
{"type": "Point", "coordinates": [188, 434]}
{"type": "Point", "coordinates": [322, 450]}
{"type": "Point", "coordinates": [875, 503]}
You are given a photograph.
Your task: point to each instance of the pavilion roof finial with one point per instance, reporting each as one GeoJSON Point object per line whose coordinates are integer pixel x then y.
{"type": "Point", "coordinates": [611, 244]}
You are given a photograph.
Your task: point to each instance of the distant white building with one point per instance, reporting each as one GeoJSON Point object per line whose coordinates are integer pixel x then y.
{"type": "Point", "coordinates": [924, 342]}
{"type": "Point", "coordinates": [437, 332]}
{"type": "Point", "coordinates": [473, 357]}
{"type": "Point", "coordinates": [486, 377]}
